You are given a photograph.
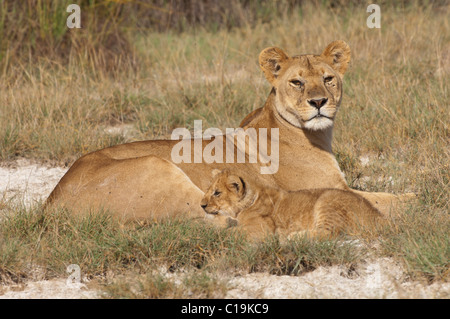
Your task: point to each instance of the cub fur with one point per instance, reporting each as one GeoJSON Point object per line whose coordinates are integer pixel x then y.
{"type": "Point", "coordinates": [260, 210]}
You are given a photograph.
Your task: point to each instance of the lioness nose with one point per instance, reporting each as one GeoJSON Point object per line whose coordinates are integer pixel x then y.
{"type": "Point", "coordinates": [318, 103]}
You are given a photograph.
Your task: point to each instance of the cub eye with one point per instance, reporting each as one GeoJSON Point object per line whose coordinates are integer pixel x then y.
{"type": "Point", "coordinates": [216, 193]}
{"type": "Point", "coordinates": [296, 83]}
{"type": "Point", "coordinates": [328, 79]}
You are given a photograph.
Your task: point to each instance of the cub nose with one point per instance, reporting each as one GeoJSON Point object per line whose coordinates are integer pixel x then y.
{"type": "Point", "coordinates": [318, 103]}
{"type": "Point", "coordinates": [203, 205]}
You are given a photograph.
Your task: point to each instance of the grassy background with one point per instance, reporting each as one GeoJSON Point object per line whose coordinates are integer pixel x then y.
{"type": "Point", "coordinates": [139, 69]}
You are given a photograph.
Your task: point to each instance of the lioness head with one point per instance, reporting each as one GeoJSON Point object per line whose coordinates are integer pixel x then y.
{"type": "Point", "coordinates": [226, 195]}
{"type": "Point", "coordinates": [308, 88]}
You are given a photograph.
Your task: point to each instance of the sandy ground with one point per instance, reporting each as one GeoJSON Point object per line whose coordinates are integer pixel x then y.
{"type": "Point", "coordinates": [22, 182]}
{"type": "Point", "coordinates": [27, 183]}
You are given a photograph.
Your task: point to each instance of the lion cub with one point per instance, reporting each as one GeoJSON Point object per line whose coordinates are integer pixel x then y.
{"type": "Point", "coordinates": [260, 210]}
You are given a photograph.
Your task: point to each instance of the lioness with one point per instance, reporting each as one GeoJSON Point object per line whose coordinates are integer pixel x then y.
{"type": "Point", "coordinates": [261, 210]}
{"type": "Point", "coordinates": [305, 97]}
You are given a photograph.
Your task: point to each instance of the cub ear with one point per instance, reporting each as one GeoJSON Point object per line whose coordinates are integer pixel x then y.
{"type": "Point", "coordinates": [337, 54]}
{"type": "Point", "coordinates": [270, 60]}
{"type": "Point", "coordinates": [236, 184]}
{"type": "Point", "coordinates": [215, 172]}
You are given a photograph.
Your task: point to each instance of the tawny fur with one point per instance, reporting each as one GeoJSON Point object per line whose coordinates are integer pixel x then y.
{"type": "Point", "coordinates": [261, 210]}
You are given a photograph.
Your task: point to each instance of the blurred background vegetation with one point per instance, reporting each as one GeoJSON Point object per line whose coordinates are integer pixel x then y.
{"type": "Point", "coordinates": [139, 68]}
{"type": "Point", "coordinates": [33, 29]}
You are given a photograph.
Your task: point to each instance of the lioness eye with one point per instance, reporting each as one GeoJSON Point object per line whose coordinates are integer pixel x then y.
{"type": "Point", "coordinates": [216, 193]}
{"type": "Point", "coordinates": [295, 83]}
{"type": "Point", "coordinates": [328, 79]}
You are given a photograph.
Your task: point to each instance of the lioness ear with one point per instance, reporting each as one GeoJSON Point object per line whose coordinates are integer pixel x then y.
{"type": "Point", "coordinates": [236, 184]}
{"type": "Point", "coordinates": [270, 60]}
{"type": "Point", "coordinates": [337, 54]}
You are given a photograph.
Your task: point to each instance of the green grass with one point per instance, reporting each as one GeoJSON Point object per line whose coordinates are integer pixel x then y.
{"type": "Point", "coordinates": [394, 113]}
{"type": "Point", "coordinates": [301, 255]}
{"type": "Point", "coordinates": [100, 245]}
{"type": "Point", "coordinates": [421, 240]}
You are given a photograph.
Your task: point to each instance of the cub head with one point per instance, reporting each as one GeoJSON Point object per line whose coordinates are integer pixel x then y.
{"type": "Point", "coordinates": [308, 88]}
{"type": "Point", "coordinates": [226, 194]}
